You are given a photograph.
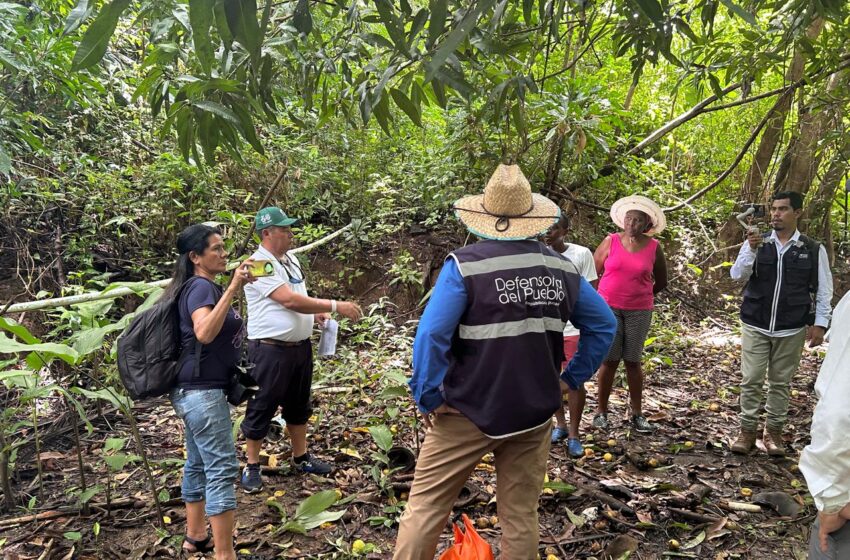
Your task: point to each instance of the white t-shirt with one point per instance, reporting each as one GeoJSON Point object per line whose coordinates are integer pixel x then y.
{"type": "Point", "coordinates": [583, 259]}
{"type": "Point", "coordinates": [266, 317]}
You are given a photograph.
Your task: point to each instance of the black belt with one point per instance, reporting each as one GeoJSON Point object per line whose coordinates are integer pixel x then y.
{"type": "Point", "coordinates": [284, 343]}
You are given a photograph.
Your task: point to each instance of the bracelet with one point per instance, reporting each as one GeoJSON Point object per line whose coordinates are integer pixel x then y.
{"type": "Point", "coordinates": [333, 306]}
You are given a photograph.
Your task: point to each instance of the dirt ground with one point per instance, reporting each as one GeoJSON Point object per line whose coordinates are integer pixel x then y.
{"type": "Point", "coordinates": [680, 484]}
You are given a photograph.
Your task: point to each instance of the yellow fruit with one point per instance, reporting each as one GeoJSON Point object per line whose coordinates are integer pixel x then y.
{"type": "Point", "coordinates": [550, 550]}
{"type": "Point", "coordinates": [714, 407]}
{"type": "Point", "coordinates": [693, 379]}
{"type": "Point", "coordinates": [493, 520]}
{"type": "Point", "coordinates": [795, 393]}
{"type": "Point", "coordinates": [588, 437]}
{"type": "Point", "coordinates": [358, 546]}
{"type": "Point", "coordinates": [551, 557]}
{"type": "Point", "coordinates": [689, 445]}
{"type": "Point", "coordinates": [612, 442]}
{"type": "Point", "coordinates": [746, 492]}
{"type": "Point", "coordinates": [652, 462]}
{"type": "Point", "coordinates": [607, 457]}
{"type": "Point", "coordinates": [795, 483]}
{"type": "Point", "coordinates": [674, 544]}
{"type": "Point", "coordinates": [338, 494]}
{"type": "Point", "coordinates": [482, 522]}
{"type": "Point", "coordinates": [588, 452]}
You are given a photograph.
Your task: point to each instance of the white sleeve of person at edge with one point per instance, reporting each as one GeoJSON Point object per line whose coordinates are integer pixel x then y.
{"type": "Point", "coordinates": [825, 462]}
{"type": "Point", "coordinates": [327, 342]}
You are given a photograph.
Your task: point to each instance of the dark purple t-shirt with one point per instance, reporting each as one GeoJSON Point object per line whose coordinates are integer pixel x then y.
{"type": "Point", "coordinates": [219, 357]}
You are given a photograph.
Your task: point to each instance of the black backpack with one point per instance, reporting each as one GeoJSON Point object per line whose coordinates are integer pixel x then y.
{"type": "Point", "coordinates": [150, 352]}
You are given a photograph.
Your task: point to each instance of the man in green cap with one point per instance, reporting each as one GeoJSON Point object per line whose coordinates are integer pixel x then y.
{"type": "Point", "coordinates": [280, 321]}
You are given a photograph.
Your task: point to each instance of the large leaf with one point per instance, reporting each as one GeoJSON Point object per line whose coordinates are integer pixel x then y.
{"type": "Point", "coordinates": [394, 27]}
{"type": "Point", "coordinates": [221, 25]}
{"type": "Point", "coordinates": [324, 517]}
{"type": "Point", "coordinates": [456, 37]}
{"type": "Point", "coordinates": [651, 9]}
{"type": "Point", "coordinates": [78, 15]}
{"type": "Point", "coordinates": [437, 23]}
{"type": "Point", "coordinates": [109, 395]}
{"type": "Point", "coordinates": [301, 18]}
{"type": "Point", "coordinates": [201, 17]}
{"type": "Point", "coordinates": [12, 346]}
{"type": "Point", "coordinates": [18, 330]}
{"type": "Point", "coordinates": [97, 36]}
{"type": "Point", "coordinates": [383, 437]}
{"type": "Point", "coordinates": [5, 161]}
{"type": "Point", "coordinates": [90, 340]}
{"type": "Point", "coordinates": [315, 504]}
{"type": "Point", "coordinates": [219, 110]}
{"type": "Point", "coordinates": [740, 12]}
{"type": "Point", "coordinates": [412, 110]}
{"type": "Point", "coordinates": [243, 24]}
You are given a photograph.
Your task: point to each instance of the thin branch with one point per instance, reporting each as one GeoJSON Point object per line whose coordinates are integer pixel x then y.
{"type": "Point", "coordinates": [734, 164]}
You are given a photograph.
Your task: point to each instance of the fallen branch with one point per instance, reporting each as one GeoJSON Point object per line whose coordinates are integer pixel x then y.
{"type": "Point", "coordinates": [611, 501]}
{"type": "Point", "coordinates": [693, 516]}
{"type": "Point", "coordinates": [739, 506]}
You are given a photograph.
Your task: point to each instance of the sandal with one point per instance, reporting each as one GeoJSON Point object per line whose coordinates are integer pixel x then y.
{"type": "Point", "coordinates": [203, 546]}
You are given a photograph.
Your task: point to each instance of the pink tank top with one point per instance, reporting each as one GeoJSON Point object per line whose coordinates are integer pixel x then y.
{"type": "Point", "coordinates": [627, 280]}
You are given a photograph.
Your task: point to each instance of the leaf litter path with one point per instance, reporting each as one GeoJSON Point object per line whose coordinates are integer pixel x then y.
{"type": "Point", "coordinates": [676, 493]}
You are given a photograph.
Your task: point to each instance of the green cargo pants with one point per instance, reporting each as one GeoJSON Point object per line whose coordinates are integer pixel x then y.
{"type": "Point", "coordinates": [779, 357]}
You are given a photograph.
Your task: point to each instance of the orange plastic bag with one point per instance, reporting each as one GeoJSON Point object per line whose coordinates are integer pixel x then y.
{"type": "Point", "coordinates": [468, 545]}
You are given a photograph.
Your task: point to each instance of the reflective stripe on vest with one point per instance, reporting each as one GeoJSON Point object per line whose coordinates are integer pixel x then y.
{"type": "Point", "coordinates": [513, 262]}
{"type": "Point", "coordinates": [511, 328]}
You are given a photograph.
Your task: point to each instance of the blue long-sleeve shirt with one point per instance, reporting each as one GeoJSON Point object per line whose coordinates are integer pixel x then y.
{"type": "Point", "coordinates": [432, 345]}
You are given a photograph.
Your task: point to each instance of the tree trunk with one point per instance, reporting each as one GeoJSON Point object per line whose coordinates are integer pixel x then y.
{"type": "Point", "coordinates": [817, 214]}
{"type": "Point", "coordinates": [752, 189]}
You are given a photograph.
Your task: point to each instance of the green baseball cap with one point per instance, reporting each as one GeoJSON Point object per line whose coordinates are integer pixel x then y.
{"type": "Point", "coordinates": [272, 216]}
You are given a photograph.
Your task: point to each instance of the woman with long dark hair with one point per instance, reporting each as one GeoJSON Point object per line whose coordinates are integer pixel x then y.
{"type": "Point", "coordinates": [211, 335]}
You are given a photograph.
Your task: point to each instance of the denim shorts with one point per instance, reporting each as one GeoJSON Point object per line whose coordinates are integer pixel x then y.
{"type": "Point", "coordinates": [211, 466]}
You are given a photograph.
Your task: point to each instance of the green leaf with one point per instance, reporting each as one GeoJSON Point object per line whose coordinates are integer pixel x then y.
{"type": "Point", "coordinates": [96, 39]}
{"type": "Point", "coordinates": [90, 340]}
{"type": "Point", "coordinates": [694, 542]}
{"type": "Point", "coordinates": [383, 437]}
{"type": "Point", "coordinates": [294, 527]}
{"type": "Point", "coordinates": [109, 395]}
{"type": "Point", "coordinates": [219, 110]}
{"type": "Point", "coordinates": [395, 391]}
{"type": "Point", "coordinates": [12, 346]}
{"type": "Point", "coordinates": [5, 161]}
{"type": "Point", "coordinates": [456, 37]}
{"type": "Point", "coordinates": [439, 93]}
{"type": "Point", "coordinates": [73, 535]}
{"type": "Point", "coordinates": [740, 12]}
{"type": "Point", "coordinates": [381, 110]}
{"type": "Point", "coordinates": [325, 517]}
{"type": "Point", "coordinates": [90, 493]}
{"type": "Point", "coordinates": [560, 487]}
{"type": "Point", "coordinates": [301, 18]}
{"type": "Point", "coordinates": [315, 504]}
{"type": "Point", "coordinates": [201, 18]}
{"type": "Point", "coordinates": [527, 6]}
{"type": "Point", "coordinates": [114, 444]}
{"type": "Point", "coordinates": [78, 15]}
{"type": "Point", "coordinates": [18, 330]}
{"type": "Point", "coordinates": [437, 23]}
{"type": "Point", "coordinates": [651, 9]}
{"type": "Point", "coordinates": [221, 25]}
{"type": "Point", "coordinates": [243, 24]}
{"type": "Point", "coordinates": [394, 27]}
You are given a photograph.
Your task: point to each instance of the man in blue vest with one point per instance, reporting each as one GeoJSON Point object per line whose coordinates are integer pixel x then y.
{"type": "Point", "coordinates": [789, 288]}
{"type": "Point", "coordinates": [486, 360]}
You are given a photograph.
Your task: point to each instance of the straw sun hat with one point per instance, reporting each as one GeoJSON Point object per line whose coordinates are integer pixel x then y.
{"type": "Point", "coordinates": [645, 205]}
{"type": "Point", "coordinates": [507, 210]}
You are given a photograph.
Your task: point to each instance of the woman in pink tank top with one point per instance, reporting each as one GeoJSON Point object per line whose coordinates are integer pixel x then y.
{"type": "Point", "coordinates": [633, 269]}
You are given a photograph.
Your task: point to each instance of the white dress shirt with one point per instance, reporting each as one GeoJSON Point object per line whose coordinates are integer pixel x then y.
{"type": "Point", "coordinates": [583, 259]}
{"type": "Point", "coordinates": [825, 462]}
{"type": "Point", "coordinates": [266, 317]}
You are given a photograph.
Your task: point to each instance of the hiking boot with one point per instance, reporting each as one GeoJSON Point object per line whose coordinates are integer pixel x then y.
{"type": "Point", "coordinates": [575, 448]}
{"type": "Point", "coordinates": [251, 481]}
{"type": "Point", "coordinates": [641, 424]}
{"type": "Point", "coordinates": [773, 443]}
{"type": "Point", "coordinates": [559, 434]}
{"type": "Point", "coordinates": [745, 442]}
{"type": "Point", "coordinates": [600, 421]}
{"type": "Point", "coordinates": [312, 465]}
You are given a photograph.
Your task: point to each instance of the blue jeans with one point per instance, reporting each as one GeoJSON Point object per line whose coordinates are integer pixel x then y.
{"type": "Point", "coordinates": [211, 466]}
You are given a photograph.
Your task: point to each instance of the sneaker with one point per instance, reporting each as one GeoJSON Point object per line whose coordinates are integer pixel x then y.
{"type": "Point", "coordinates": [312, 465]}
{"type": "Point", "coordinates": [575, 448]}
{"type": "Point", "coordinates": [251, 481]}
{"type": "Point", "coordinates": [601, 421]}
{"type": "Point", "coordinates": [559, 434]}
{"type": "Point", "coordinates": [641, 424]}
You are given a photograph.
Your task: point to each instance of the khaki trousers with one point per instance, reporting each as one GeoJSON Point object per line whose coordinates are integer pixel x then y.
{"type": "Point", "coordinates": [452, 449]}
{"type": "Point", "coordinates": [779, 357]}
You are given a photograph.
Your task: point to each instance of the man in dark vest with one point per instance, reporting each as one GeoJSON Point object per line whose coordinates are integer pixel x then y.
{"type": "Point", "coordinates": [789, 288]}
{"type": "Point", "coordinates": [486, 363]}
